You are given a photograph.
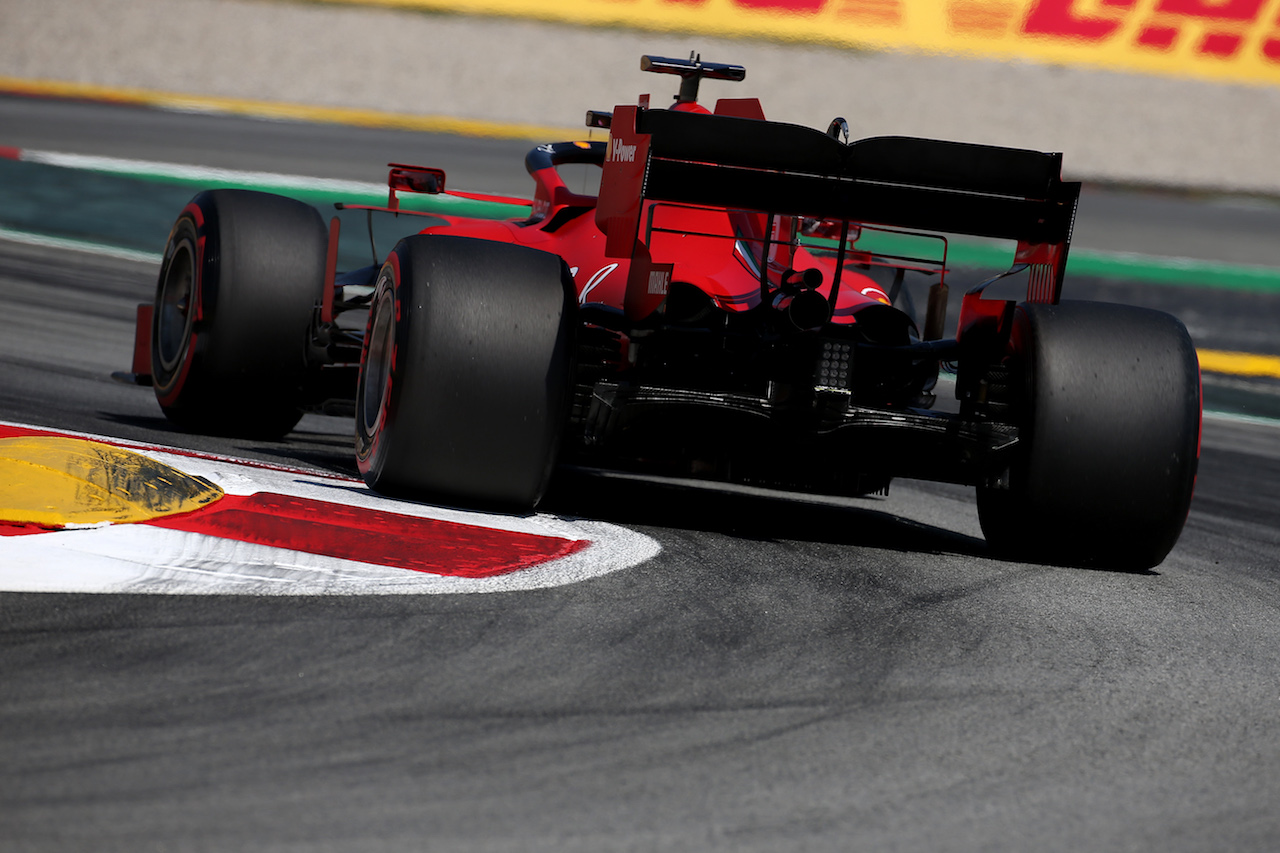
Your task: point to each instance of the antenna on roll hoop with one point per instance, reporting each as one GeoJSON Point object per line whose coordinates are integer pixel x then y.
{"type": "Point", "coordinates": [691, 72]}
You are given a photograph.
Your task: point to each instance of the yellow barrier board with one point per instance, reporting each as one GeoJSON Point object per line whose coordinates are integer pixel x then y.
{"type": "Point", "coordinates": [1220, 40]}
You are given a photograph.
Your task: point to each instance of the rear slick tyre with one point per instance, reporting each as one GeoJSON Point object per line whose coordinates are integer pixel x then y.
{"type": "Point", "coordinates": [241, 275]}
{"type": "Point", "coordinates": [1110, 437]}
{"type": "Point", "coordinates": [464, 378]}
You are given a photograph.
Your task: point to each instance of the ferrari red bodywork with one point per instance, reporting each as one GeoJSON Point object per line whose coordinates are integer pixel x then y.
{"type": "Point", "coordinates": [734, 303]}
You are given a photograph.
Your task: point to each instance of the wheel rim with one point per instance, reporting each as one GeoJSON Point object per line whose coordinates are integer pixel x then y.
{"type": "Point", "coordinates": [175, 309]}
{"type": "Point", "coordinates": [376, 374]}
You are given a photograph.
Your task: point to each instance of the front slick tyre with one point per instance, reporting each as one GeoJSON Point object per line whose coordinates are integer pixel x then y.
{"type": "Point", "coordinates": [1111, 434]}
{"type": "Point", "coordinates": [464, 379]}
{"type": "Point", "coordinates": [241, 275]}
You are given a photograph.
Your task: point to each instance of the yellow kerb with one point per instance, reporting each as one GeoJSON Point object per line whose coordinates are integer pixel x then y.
{"type": "Point", "coordinates": [57, 482]}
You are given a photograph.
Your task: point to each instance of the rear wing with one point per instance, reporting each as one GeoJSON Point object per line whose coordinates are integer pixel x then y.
{"type": "Point", "coordinates": [790, 170]}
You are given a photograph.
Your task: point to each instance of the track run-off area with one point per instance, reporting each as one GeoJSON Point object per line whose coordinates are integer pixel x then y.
{"type": "Point", "coordinates": [715, 669]}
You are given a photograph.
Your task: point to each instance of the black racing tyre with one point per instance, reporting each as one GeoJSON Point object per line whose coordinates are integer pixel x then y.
{"type": "Point", "coordinates": [464, 379]}
{"type": "Point", "coordinates": [1110, 437]}
{"type": "Point", "coordinates": [241, 276]}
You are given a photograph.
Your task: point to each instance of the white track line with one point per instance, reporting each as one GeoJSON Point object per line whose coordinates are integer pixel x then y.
{"type": "Point", "coordinates": [174, 171]}
{"type": "Point", "coordinates": [73, 245]}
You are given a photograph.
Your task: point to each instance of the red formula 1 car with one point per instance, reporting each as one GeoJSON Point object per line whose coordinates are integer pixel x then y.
{"type": "Point", "coordinates": [732, 305]}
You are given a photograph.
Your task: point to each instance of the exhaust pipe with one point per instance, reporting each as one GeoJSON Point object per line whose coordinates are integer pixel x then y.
{"type": "Point", "coordinates": [799, 299]}
{"type": "Point", "coordinates": [808, 310]}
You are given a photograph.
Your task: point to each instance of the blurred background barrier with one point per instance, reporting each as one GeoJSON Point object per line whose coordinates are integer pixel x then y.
{"type": "Point", "coordinates": [1225, 40]}
{"type": "Point", "coordinates": [1176, 94]}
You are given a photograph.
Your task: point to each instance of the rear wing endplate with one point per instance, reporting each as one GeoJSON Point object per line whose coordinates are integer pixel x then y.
{"type": "Point", "coordinates": [790, 170]}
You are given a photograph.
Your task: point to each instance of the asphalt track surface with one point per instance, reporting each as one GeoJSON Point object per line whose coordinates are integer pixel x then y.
{"type": "Point", "coordinates": [785, 674]}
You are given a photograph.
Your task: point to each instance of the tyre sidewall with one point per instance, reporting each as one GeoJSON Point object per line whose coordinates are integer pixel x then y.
{"type": "Point", "coordinates": [259, 264]}
{"type": "Point", "coordinates": [478, 386]}
{"type": "Point", "coordinates": [185, 244]}
{"type": "Point", "coordinates": [1110, 437]}
{"type": "Point", "coordinates": [373, 438]}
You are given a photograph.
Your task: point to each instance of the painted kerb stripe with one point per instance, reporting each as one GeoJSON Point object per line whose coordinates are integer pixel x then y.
{"type": "Point", "coordinates": [1240, 363]}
